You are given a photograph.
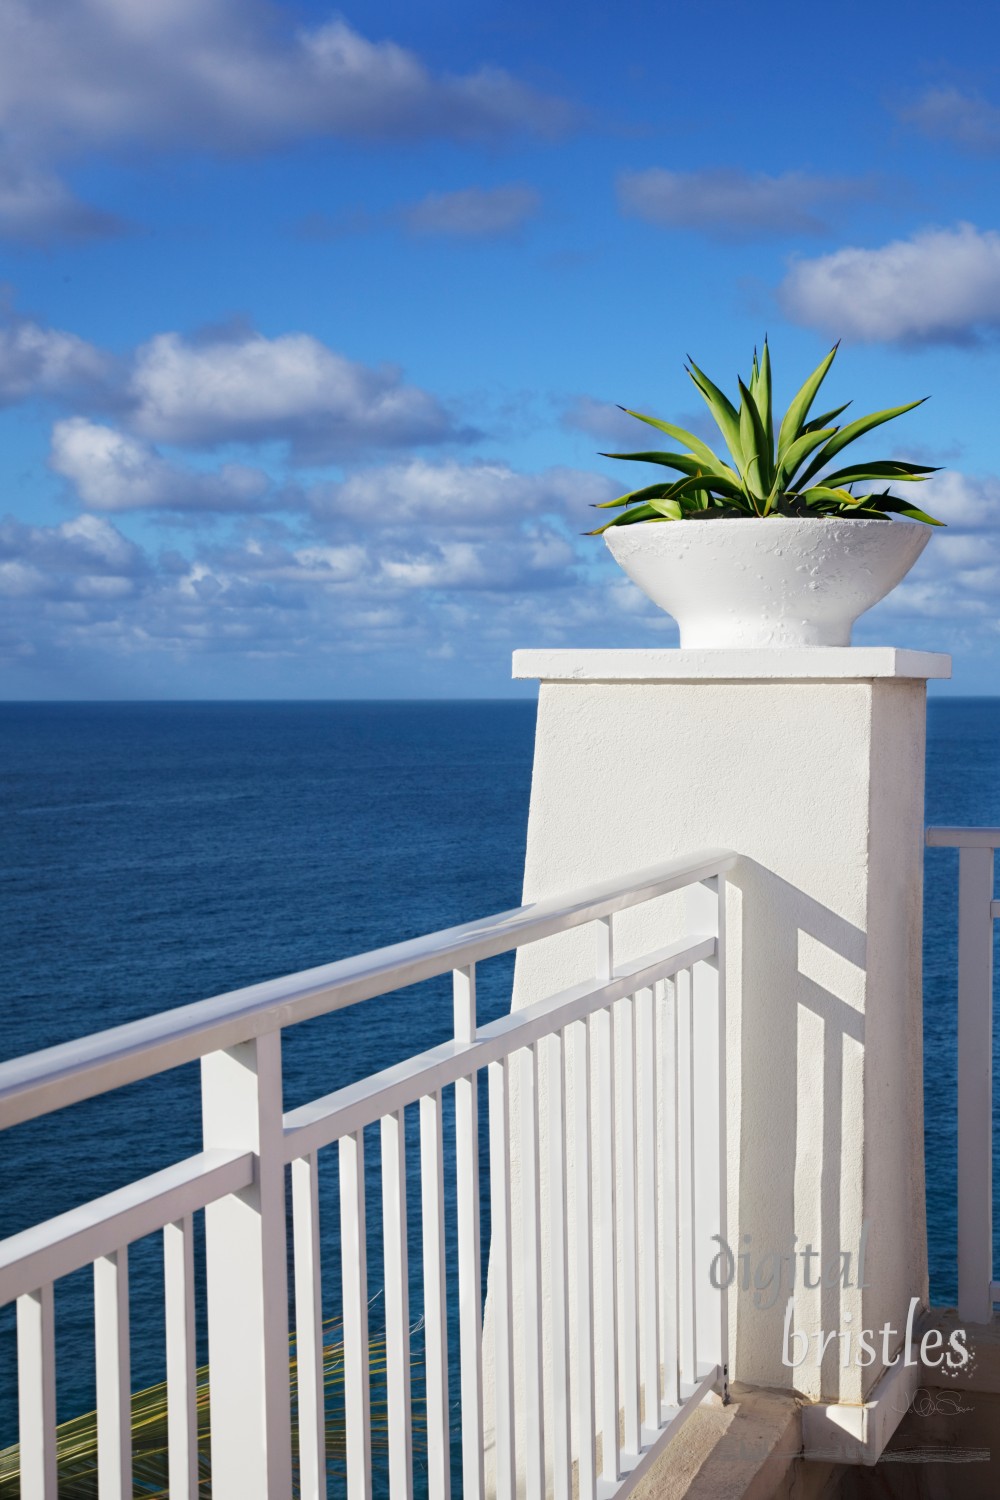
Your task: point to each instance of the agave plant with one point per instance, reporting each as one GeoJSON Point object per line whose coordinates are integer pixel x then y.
{"type": "Point", "coordinates": [787, 475]}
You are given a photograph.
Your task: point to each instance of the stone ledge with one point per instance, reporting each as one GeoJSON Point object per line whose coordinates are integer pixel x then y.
{"type": "Point", "coordinates": [772, 664]}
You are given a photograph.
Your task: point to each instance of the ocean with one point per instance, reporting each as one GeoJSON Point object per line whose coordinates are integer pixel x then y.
{"type": "Point", "coordinates": [154, 854]}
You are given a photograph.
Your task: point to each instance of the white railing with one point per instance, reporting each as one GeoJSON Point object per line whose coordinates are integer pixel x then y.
{"type": "Point", "coordinates": [644, 1174]}
{"type": "Point", "coordinates": [977, 911]}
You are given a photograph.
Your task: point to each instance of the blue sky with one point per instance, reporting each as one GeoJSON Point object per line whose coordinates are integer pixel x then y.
{"type": "Point", "coordinates": [312, 321]}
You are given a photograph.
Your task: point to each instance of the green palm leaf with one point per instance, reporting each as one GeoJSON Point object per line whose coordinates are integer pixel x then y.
{"type": "Point", "coordinates": [76, 1440]}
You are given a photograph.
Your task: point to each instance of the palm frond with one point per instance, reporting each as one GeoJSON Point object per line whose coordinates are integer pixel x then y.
{"type": "Point", "coordinates": [76, 1440]}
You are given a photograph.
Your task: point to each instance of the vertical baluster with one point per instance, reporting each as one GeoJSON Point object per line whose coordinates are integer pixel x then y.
{"type": "Point", "coordinates": [247, 1278]}
{"type": "Point", "coordinates": [354, 1253]}
{"type": "Point", "coordinates": [667, 1056]}
{"type": "Point", "coordinates": [584, 1231]}
{"type": "Point", "coordinates": [470, 1307]}
{"type": "Point", "coordinates": [558, 1259]}
{"type": "Point", "coordinates": [309, 1328]}
{"type": "Point", "coordinates": [723, 1127]}
{"type": "Point", "coordinates": [975, 1085]}
{"type": "Point", "coordinates": [687, 1330]}
{"type": "Point", "coordinates": [114, 1385]}
{"type": "Point", "coordinates": [603, 1046]}
{"type": "Point", "coordinates": [501, 1275]}
{"type": "Point", "coordinates": [182, 1394]}
{"type": "Point", "coordinates": [435, 1303]}
{"type": "Point", "coordinates": [645, 1051]}
{"type": "Point", "coordinates": [36, 1390]}
{"type": "Point", "coordinates": [705, 914]}
{"type": "Point", "coordinates": [397, 1305]}
{"type": "Point", "coordinates": [531, 1267]}
{"type": "Point", "coordinates": [629, 1241]}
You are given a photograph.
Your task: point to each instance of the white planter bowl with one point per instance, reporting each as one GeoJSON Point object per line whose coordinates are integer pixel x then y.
{"type": "Point", "coordinates": [777, 581]}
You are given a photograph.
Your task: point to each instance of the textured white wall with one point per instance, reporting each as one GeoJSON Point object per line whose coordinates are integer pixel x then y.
{"type": "Point", "coordinates": [816, 780]}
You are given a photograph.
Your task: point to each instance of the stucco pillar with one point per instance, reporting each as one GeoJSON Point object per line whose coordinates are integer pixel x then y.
{"type": "Point", "coordinates": [809, 763]}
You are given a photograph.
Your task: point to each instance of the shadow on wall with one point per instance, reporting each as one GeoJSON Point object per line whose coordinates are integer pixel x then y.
{"type": "Point", "coordinates": [804, 984]}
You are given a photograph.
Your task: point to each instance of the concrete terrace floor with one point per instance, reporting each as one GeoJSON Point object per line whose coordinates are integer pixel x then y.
{"type": "Point", "coordinates": [946, 1445]}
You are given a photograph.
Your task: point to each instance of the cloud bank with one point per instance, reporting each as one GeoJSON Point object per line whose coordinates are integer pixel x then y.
{"type": "Point", "coordinates": [221, 76]}
{"type": "Point", "coordinates": [223, 387]}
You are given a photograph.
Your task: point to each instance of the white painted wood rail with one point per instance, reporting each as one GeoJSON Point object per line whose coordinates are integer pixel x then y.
{"type": "Point", "coordinates": [977, 911]}
{"type": "Point", "coordinates": [662, 1187]}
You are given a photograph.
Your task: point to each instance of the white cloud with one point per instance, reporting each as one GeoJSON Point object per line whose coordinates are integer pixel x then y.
{"type": "Point", "coordinates": [733, 204]}
{"type": "Point", "coordinates": [230, 386]}
{"type": "Point", "coordinates": [466, 497]}
{"type": "Point", "coordinates": [36, 207]}
{"type": "Point", "coordinates": [292, 388]}
{"type": "Point", "coordinates": [964, 502]}
{"type": "Point", "coordinates": [111, 471]}
{"type": "Point", "coordinates": [222, 75]}
{"type": "Point", "coordinates": [87, 557]}
{"type": "Point", "coordinates": [957, 579]}
{"type": "Point", "coordinates": [474, 213]}
{"type": "Point", "coordinates": [948, 114]}
{"type": "Point", "coordinates": [939, 286]}
{"type": "Point", "coordinates": [39, 361]}
{"type": "Point", "coordinates": [541, 561]}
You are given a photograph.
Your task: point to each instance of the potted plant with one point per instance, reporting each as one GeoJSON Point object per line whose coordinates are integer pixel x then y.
{"type": "Point", "coordinates": [801, 553]}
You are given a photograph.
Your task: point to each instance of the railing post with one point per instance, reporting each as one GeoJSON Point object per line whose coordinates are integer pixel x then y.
{"type": "Point", "coordinates": [975, 1084]}
{"type": "Point", "coordinates": [247, 1278]}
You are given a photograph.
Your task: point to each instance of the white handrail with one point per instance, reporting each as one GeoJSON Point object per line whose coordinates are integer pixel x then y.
{"type": "Point", "coordinates": [359, 1104]}
{"type": "Point", "coordinates": [964, 838]}
{"type": "Point", "coordinates": [57, 1076]}
{"type": "Point", "coordinates": [670, 1003]}
{"type": "Point", "coordinates": [977, 912]}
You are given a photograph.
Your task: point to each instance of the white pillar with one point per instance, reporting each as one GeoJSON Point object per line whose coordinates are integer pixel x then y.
{"type": "Point", "coordinates": [810, 764]}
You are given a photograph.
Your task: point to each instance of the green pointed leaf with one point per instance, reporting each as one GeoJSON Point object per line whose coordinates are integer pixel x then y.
{"type": "Point", "coordinates": [649, 492]}
{"type": "Point", "coordinates": [755, 446]}
{"type": "Point", "coordinates": [855, 430]}
{"type": "Point", "coordinates": [762, 396]}
{"type": "Point", "coordinates": [671, 510]}
{"type": "Point", "coordinates": [698, 448]}
{"type": "Point", "coordinates": [913, 513]}
{"type": "Point", "coordinates": [723, 411]}
{"type": "Point", "coordinates": [627, 517]}
{"type": "Point", "coordinates": [826, 419]}
{"type": "Point", "coordinates": [685, 463]}
{"type": "Point", "coordinates": [795, 416]}
{"type": "Point", "coordinates": [822, 493]}
{"type": "Point", "coordinates": [789, 459]}
{"type": "Point", "coordinates": [900, 507]}
{"type": "Point", "coordinates": [888, 469]}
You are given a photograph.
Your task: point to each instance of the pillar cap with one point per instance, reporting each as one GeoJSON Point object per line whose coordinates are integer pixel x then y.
{"type": "Point", "coordinates": [722, 664]}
